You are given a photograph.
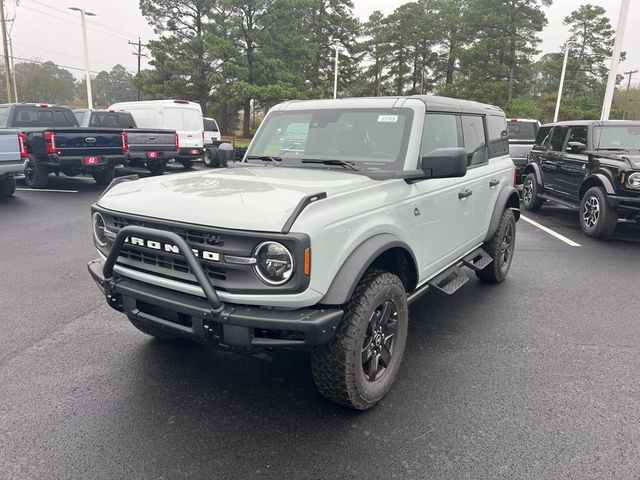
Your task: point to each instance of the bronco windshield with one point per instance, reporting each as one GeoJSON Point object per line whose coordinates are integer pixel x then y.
{"type": "Point", "coordinates": [368, 139]}
{"type": "Point", "coordinates": [617, 137]}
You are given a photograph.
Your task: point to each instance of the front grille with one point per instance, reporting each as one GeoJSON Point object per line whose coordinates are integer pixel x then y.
{"type": "Point", "coordinates": [168, 262]}
{"type": "Point", "coordinates": [191, 236]}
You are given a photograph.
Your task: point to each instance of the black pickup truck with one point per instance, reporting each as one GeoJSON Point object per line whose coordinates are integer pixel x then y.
{"type": "Point", "coordinates": [590, 166]}
{"type": "Point", "coordinates": [150, 147]}
{"type": "Point", "coordinates": [55, 143]}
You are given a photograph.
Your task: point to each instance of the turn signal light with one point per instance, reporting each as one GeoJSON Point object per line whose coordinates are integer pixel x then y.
{"type": "Point", "coordinates": [22, 142]}
{"type": "Point", "coordinates": [50, 142]}
{"type": "Point", "coordinates": [307, 261]}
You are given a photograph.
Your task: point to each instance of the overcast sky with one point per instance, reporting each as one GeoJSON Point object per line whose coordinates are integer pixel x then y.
{"type": "Point", "coordinates": [47, 30]}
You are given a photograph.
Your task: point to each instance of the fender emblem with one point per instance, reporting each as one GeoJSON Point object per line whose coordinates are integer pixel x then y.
{"type": "Point", "coordinates": [416, 212]}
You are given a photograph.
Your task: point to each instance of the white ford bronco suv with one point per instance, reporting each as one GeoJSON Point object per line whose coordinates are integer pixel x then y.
{"type": "Point", "coordinates": [318, 240]}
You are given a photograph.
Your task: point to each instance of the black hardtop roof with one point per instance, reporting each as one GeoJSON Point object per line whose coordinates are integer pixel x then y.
{"type": "Point", "coordinates": [597, 123]}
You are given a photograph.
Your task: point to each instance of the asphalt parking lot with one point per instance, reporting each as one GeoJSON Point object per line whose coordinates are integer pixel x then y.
{"type": "Point", "coordinates": [535, 378]}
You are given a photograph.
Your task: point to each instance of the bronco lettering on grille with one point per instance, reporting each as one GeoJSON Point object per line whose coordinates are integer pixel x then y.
{"type": "Point", "coordinates": [170, 248]}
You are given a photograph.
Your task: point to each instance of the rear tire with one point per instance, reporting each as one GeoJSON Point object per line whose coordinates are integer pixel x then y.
{"type": "Point", "coordinates": [212, 158]}
{"type": "Point", "coordinates": [597, 218]}
{"type": "Point", "coordinates": [157, 168]}
{"type": "Point", "coordinates": [187, 164]}
{"type": "Point", "coordinates": [530, 198]}
{"type": "Point", "coordinates": [7, 186]}
{"type": "Point", "coordinates": [104, 177]}
{"type": "Point", "coordinates": [149, 330]}
{"type": "Point", "coordinates": [500, 248]}
{"type": "Point", "coordinates": [357, 368]}
{"type": "Point", "coordinates": [35, 175]}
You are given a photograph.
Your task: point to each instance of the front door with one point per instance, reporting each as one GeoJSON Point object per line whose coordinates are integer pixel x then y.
{"type": "Point", "coordinates": [573, 162]}
{"type": "Point", "coordinates": [550, 160]}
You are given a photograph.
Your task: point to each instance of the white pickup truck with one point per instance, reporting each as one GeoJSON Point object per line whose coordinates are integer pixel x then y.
{"type": "Point", "coordinates": [13, 154]}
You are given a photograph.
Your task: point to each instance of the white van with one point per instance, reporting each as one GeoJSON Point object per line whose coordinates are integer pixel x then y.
{"type": "Point", "coordinates": [211, 132]}
{"type": "Point", "coordinates": [180, 115]}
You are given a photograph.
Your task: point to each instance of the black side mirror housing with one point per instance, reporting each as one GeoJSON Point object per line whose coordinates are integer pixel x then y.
{"type": "Point", "coordinates": [445, 163]}
{"type": "Point", "coordinates": [576, 147]}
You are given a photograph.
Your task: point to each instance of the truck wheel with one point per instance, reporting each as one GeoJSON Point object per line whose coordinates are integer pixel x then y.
{"type": "Point", "coordinates": [187, 164]}
{"type": "Point", "coordinates": [149, 330]}
{"type": "Point", "coordinates": [500, 248]}
{"type": "Point", "coordinates": [530, 197]}
{"type": "Point", "coordinates": [35, 175]}
{"type": "Point", "coordinates": [212, 158]}
{"type": "Point", "coordinates": [157, 168]}
{"type": "Point", "coordinates": [104, 177]}
{"type": "Point", "coordinates": [597, 218]}
{"type": "Point", "coordinates": [7, 186]}
{"type": "Point", "coordinates": [359, 365]}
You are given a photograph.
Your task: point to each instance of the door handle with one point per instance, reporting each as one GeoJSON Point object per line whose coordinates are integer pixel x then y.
{"type": "Point", "coordinates": [494, 183]}
{"type": "Point", "coordinates": [464, 193]}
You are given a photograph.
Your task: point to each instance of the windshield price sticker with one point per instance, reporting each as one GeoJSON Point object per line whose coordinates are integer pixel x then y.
{"type": "Point", "coordinates": [387, 118]}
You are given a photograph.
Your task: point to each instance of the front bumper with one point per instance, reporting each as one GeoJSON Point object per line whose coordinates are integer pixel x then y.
{"type": "Point", "coordinates": [208, 319]}
{"type": "Point", "coordinates": [12, 167]}
{"type": "Point", "coordinates": [626, 205]}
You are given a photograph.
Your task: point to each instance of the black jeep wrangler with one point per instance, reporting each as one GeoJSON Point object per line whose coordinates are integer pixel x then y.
{"type": "Point", "coordinates": [590, 166]}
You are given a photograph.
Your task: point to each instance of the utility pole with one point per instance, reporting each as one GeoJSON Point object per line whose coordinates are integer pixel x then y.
{"type": "Point", "coordinates": [630, 73]}
{"type": "Point", "coordinates": [615, 60]}
{"type": "Point", "coordinates": [564, 71]}
{"type": "Point", "coordinates": [139, 45]}
{"type": "Point", "coordinates": [335, 75]}
{"type": "Point", "coordinates": [5, 47]}
{"type": "Point", "coordinates": [83, 14]}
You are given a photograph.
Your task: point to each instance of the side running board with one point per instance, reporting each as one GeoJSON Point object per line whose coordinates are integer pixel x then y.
{"type": "Point", "coordinates": [454, 277]}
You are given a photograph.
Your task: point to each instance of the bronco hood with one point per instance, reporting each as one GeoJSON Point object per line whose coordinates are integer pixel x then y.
{"type": "Point", "coordinates": [243, 198]}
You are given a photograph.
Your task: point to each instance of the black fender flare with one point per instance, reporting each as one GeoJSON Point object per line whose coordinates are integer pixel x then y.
{"type": "Point", "coordinates": [535, 168]}
{"type": "Point", "coordinates": [600, 178]}
{"type": "Point", "coordinates": [507, 198]}
{"type": "Point", "coordinates": [357, 263]}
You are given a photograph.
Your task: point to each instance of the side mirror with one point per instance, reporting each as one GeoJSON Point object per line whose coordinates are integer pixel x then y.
{"type": "Point", "coordinates": [576, 147]}
{"type": "Point", "coordinates": [227, 153]}
{"type": "Point", "coordinates": [445, 163]}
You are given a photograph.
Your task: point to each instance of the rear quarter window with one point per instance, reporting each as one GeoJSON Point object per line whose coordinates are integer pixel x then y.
{"type": "Point", "coordinates": [498, 136]}
{"type": "Point", "coordinates": [542, 138]}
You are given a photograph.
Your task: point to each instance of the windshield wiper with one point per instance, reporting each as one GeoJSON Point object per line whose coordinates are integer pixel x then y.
{"type": "Point", "coordinates": [340, 163]}
{"type": "Point", "coordinates": [264, 158]}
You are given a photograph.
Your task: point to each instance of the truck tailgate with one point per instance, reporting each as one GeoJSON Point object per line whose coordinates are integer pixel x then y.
{"type": "Point", "coordinates": [84, 141]}
{"type": "Point", "coordinates": [150, 140]}
{"type": "Point", "coordinates": [9, 147]}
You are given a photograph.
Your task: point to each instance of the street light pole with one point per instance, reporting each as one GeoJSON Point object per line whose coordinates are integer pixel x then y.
{"type": "Point", "coordinates": [335, 74]}
{"type": "Point", "coordinates": [83, 14]}
{"type": "Point", "coordinates": [615, 60]}
{"type": "Point", "coordinates": [564, 70]}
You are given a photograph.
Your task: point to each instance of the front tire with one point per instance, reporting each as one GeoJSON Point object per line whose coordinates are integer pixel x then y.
{"type": "Point", "coordinates": [500, 248]}
{"type": "Point", "coordinates": [149, 330]}
{"type": "Point", "coordinates": [597, 218]}
{"type": "Point", "coordinates": [530, 198]}
{"type": "Point", "coordinates": [357, 368]}
{"type": "Point", "coordinates": [104, 177]}
{"type": "Point", "coordinates": [35, 175]}
{"type": "Point", "coordinates": [7, 186]}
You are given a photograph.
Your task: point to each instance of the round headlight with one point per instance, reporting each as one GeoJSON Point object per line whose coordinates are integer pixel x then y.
{"type": "Point", "coordinates": [98, 229]}
{"type": "Point", "coordinates": [274, 263]}
{"type": "Point", "coordinates": [634, 180]}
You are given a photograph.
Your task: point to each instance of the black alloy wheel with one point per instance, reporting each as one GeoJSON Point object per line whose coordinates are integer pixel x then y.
{"type": "Point", "coordinates": [377, 348]}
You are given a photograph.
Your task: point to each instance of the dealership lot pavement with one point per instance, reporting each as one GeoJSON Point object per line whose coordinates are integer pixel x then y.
{"type": "Point", "coordinates": [535, 378]}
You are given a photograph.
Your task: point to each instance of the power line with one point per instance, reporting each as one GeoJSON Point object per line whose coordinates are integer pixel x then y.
{"type": "Point", "coordinates": [59, 53]}
{"type": "Point", "coordinates": [56, 64]}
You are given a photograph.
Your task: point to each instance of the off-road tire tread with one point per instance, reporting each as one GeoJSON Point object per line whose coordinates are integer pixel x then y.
{"type": "Point", "coordinates": [608, 219]}
{"type": "Point", "coordinates": [537, 202]}
{"type": "Point", "coordinates": [491, 273]}
{"type": "Point", "coordinates": [333, 375]}
{"type": "Point", "coordinates": [7, 186]}
{"type": "Point", "coordinates": [149, 330]}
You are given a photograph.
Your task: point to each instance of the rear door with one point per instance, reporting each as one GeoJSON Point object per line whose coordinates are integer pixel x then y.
{"type": "Point", "coordinates": [550, 159]}
{"type": "Point", "coordinates": [186, 120]}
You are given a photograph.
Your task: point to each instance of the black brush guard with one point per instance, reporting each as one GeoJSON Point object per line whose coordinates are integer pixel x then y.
{"type": "Point", "coordinates": [207, 319]}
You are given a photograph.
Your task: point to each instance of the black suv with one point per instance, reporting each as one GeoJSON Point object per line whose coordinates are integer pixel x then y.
{"type": "Point", "coordinates": [591, 166]}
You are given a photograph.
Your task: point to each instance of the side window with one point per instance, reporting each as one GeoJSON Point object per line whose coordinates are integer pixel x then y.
{"type": "Point", "coordinates": [498, 136]}
{"type": "Point", "coordinates": [474, 139]}
{"type": "Point", "coordinates": [4, 113]}
{"type": "Point", "coordinates": [557, 138]}
{"type": "Point", "coordinates": [576, 134]}
{"type": "Point", "coordinates": [542, 138]}
{"type": "Point", "coordinates": [440, 131]}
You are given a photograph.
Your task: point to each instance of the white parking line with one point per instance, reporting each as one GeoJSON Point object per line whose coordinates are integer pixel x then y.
{"type": "Point", "coordinates": [566, 240]}
{"type": "Point", "coordinates": [45, 190]}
